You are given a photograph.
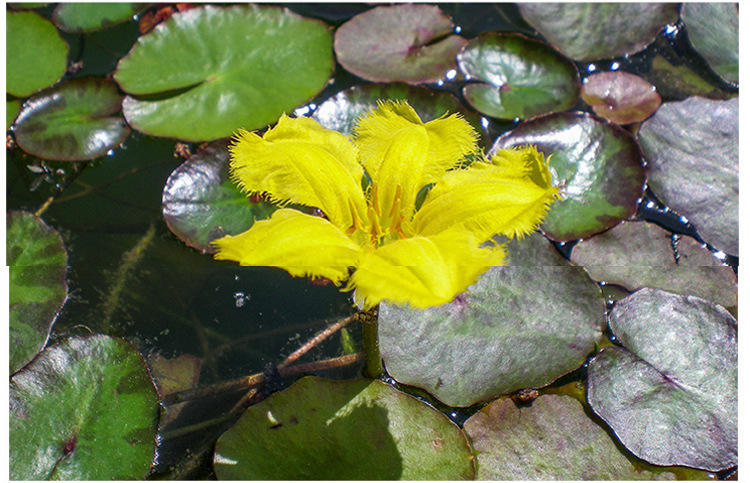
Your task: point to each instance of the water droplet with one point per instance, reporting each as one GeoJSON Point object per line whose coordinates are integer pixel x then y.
{"type": "Point", "coordinates": [591, 68]}
{"type": "Point", "coordinates": [615, 65]}
{"type": "Point", "coordinates": [240, 298]}
{"type": "Point", "coordinates": [451, 74]}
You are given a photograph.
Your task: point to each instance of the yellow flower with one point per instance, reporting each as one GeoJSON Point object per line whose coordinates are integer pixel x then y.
{"type": "Point", "coordinates": [372, 232]}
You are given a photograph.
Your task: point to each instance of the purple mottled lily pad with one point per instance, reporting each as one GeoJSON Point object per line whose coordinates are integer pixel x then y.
{"type": "Point", "coordinates": [670, 391]}
{"type": "Point", "coordinates": [400, 43]}
{"type": "Point", "coordinates": [620, 97]}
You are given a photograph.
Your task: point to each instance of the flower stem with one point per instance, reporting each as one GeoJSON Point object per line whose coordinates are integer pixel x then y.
{"type": "Point", "coordinates": [373, 364]}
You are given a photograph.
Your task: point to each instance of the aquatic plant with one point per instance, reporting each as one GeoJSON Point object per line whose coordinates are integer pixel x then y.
{"type": "Point", "coordinates": [396, 248]}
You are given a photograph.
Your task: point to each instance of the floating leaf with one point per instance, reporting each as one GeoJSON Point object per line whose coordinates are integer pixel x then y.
{"type": "Point", "coordinates": [74, 121]}
{"type": "Point", "coordinates": [37, 265]}
{"type": "Point", "coordinates": [341, 111]}
{"type": "Point", "coordinates": [200, 203]}
{"type": "Point", "coordinates": [620, 97]}
{"type": "Point", "coordinates": [551, 440]}
{"type": "Point", "coordinates": [11, 111]}
{"type": "Point", "coordinates": [400, 43]}
{"type": "Point", "coordinates": [714, 31]}
{"type": "Point", "coordinates": [89, 17]}
{"type": "Point", "coordinates": [598, 163]}
{"type": "Point", "coordinates": [83, 410]}
{"type": "Point", "coordinates": [671, 397]}
{"type": "Point", "coordinates": [639, 254]}
{"type": "Point", "coordinates": [343, 430]}
{"type": "Point", "coordinates": [519, 77]}
{"type": "Point", "coordinates": [35, 55]}
{"type": "Point", "coordinates": [516, 327]}
{"type": "Point", "coordinates": [593, 31]}
{"type": "Point", "coordinates": [208, 71]}
{"type": "Point", "coordinates": [692, 149]}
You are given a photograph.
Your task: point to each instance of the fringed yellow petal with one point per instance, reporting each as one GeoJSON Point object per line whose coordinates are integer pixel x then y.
{"type": "Point", "coordinates": [422, 271]}
{"type": "Point", "coordinates": [450, 138]}
{"type": "Point", "coordinates": [486, 200]}
{"type": "Point", "coordinates": [299, 161]}
{"type": "Point", "coordinates": [301, 244]}
{"type": "Point", "coordinates": [523, 162]}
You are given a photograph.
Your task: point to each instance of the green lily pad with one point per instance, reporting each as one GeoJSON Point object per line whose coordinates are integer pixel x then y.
{"type": "Point", "coordinates": [714, 31]}
{"type": "Point", "coordinates": [11, 111]}
{"type": "Point", "coordinates": [620, 97]}
{"type": "Point", "coordinates": [83, 410]}
{"type": "Point", "coordinates": [598, 164]}
{"type": "Point", "coordinates": [594, 31]}
{"type": "Point", "coordinates": [200, 203]}
{"type": "Point", "coordinates": [518, 77]}
{"type": "Point", "coordinates": [343, 430]}
{"type": "Point", "coordinates": [35, 55]}
{"type": "Point", "coordinates": [507, 332]}
{"type": "Point", "coordinates": [399, 43]}
{"type": "Point", "coordinates": [341, 111]}
{"type": "Point", "coordinates": [670, 394]}
{"type": "Point", "coordinates": [553, 439]}
{"type": "Point", "coordinates": [692, 149]}
{"type": "Point", "coordinates": [89, 17]}
{"type": "Point", "coordinates": [637, 254]}
{"type": "Point", "coordinates": [74, 121]}
{"type": "Point", "coordinates": [37, 265]}
{"type": "Point", "coordinates": [225, 69]}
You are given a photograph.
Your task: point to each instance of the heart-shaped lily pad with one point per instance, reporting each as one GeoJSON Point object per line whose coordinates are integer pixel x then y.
{"type": "Point", "coordinates": [83, 410]}
{"type": "Point", "coordinates": [692, 149]}
{"type": "Point", "coordinates": [343, 430]}
{"type": "Point", "coordinates": [620, 97]}
{"type": "Point", "coordinates": [209, 71]}
{"type": "Point", "coordinates": [200, 203]}
{"type": "Point", "coordinates": [399, 43]}
{"type": "Point", "coordinates": [714, 31]}
{"type": "Point", "coordinates": [593, 31]}
{"type": "Point", "coordinates": [89, 17]}
{"type": "Point", "coordinates": [518, 77]}
{"type": "Point", "coordinates": [598, 164]}
{"type": "Point", "coordinates": [341, 111]}
{"type": "Point", "coordinates": [670, 394]}
{"type": "Point", "coordinates": [553, 439]}
{"type": "Point", "coordinates": [74, 121]}
{"type": "Point", "coordinates": [35, 55]}
{"type": "Point", "coordinates": [637, 254]}
{"type": "Point", "coordinates": [37, 265]}
{"type": "Point", "coordinates": [516, 327]}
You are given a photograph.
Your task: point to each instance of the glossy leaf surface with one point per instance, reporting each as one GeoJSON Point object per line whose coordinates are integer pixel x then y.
{"type": "Point", "coordinates": [399, 43]}
{"type": "Point", "coordinates": [553, 439]}
{"type": "Point", "coordinates": [74, 121]}
{"type": "Point", "coordinates": [228, 68]}
{"type": "Point", "coordinates": [89, 17]}
{"type": "Point", "coordinates": [620, 97]}
{"type": "Point", "coordinates": [37, 265]}
{"type": "Point", "coordinates": [85, 409]}
{"type": "Point", "coordinates": [670, 393]}
{"type": "Point", "coordinates": [598, 163]}
{"type": "Point", "coordinates": [507, 332]}
{"type": "Point", "coordinates": [692, 149]}
{"type": "Point", "coordinates": [36, 55]}
{"type": "Point", "coordinates": [593, 31]}
{"type": "Point", "coordinates": [714, 31]}
{"type": "Point", "coordinates": [639, 254]}
{"type": "Point", "coordinates": [518, 77]}
{"type": "Point", "coordinates": [201, 204]}
{"type": "Point", "coordinates": [362, 429]}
